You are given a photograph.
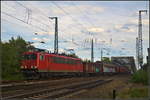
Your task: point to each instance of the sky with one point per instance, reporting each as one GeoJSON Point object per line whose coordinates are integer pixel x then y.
{"type": "Point", "coordinates": [113, 25]}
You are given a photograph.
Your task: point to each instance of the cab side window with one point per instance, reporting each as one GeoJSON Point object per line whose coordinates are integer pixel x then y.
{"type": "Point", "coordinates": [49, 59]}
{"type": "Point", "coordinates": [41, 57]}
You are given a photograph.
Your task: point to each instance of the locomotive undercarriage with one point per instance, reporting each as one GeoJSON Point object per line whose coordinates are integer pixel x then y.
{"type": "Point", "coordinates": [35, 74]}
{"type": "Point", "coordinates": [30, 73]}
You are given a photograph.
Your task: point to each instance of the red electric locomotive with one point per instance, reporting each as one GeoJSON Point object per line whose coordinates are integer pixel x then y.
{"type": "Point", "coordinates": [35, 64]}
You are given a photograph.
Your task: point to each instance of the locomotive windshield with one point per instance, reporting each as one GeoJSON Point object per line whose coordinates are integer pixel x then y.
{"type": "Point", "coordinates": [29, 56]}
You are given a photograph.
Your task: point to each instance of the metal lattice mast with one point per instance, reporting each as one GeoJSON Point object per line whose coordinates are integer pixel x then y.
{"type": "Point", "coordinates": [140, 38]}
{"type": "Point", "coordinates": [137, 52]}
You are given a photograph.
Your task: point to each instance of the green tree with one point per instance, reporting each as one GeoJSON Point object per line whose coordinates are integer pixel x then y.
{"type": "Point", "coordinates": [106, 60]}
{"type": "Point", "coordinates": [11, 56]}
{"type": "Point", "coordinates": [73, 55]}
{"type": "Point", "coordinates": [69, 55]}
{"type": "Point", "coordinates": [86, 60]}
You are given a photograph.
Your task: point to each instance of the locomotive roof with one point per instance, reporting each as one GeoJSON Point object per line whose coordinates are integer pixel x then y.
{"type": "Point", "coordinates": [51, 54]}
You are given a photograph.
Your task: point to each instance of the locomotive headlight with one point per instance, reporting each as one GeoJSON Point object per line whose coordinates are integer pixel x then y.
{"type": "Point", "coordinates": [32, 66]}
{"type": "Point", "coordinates": [25, 67]}
{"type": "Point", "coordinates": [22, 67]}
{"type": "Point", "coordinates": [35, 66]}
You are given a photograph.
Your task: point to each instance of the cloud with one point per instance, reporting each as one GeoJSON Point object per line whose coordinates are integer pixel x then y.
{"type": "Point", "coordinates": [144, 21]}
{"type": "Point", "coordinates": [97, 9]}
{"type": "Point", "coordinates": [61, 50]}
{"type": "Point", "coordinates": [36, 44]}
{"type": "Point", "coordinates": [77, 9]}
{"type": "Point", "coordinates": [3, 30]}
{"type": "Point", "coordinates": [96, 29]}
{"type": "Point", "coordinates": [130, 30]}
{"type": "Point", "coordinates": [41, 39]}
{"type": "Point", "coordinates": [44, 33]}
{"type": "Point", "coordinates": [124, 28]}
{"type": "Point", "coordinates": [37, 39]}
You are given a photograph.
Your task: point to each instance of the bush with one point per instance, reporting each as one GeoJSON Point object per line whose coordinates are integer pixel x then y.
{"type": "Point", "coordinates": [141, 76]}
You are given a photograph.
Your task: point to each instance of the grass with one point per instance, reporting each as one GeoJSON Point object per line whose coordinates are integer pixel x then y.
{"type": "Point", "coordinates": [134, 93]}
{"type": "Point", "coordinates": [13, 77]}
{"type": "Point", "coordinates": [141, 76]}
{"type": "Point", "coordinates": [139, 92]}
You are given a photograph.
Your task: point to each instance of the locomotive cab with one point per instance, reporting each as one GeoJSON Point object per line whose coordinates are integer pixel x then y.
{"type": "Point", "coordinates": [29, 64]}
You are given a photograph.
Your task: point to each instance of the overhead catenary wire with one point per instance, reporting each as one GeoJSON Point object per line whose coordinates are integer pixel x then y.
{"type": "Point", "coordinates": [10, 15]}
{"type": "Point", "coordinates": [42, 14]}
{"type": "Point", "coordinates": [39, 11]}
{"type": "Point", "coordinates": [11, 8]}
{"type": "Point", "coordinates": [30, 10]}
{"type": "Point", "coordinates": [23, 21]}
{"type": "Point", "coordinates": [21, 5]}
{"type": "Point", "coordinates": [47, 17]}
{"type": "Point", "coordinates": [13, 16]}
{"type": "Point", "coordinates": [69, 15]}
{"type": "Point", "coordinates": [147, 3]}
{"type": "Point", "coordinates": [84, 14]}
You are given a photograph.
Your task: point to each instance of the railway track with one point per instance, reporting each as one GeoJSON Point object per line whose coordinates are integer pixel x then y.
{"type": "Point", "coordinates": [30, 82]}
{"type": "Point", "coordinates": [25, 85]}
{"type": "Point", "coordinates": [59, 91]}
{"type": "Point", "coordinates": [38, 85]}
{"type": "Point", "coordinates": [6, 88]}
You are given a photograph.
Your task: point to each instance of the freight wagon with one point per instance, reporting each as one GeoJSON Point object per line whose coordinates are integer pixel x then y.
{"type": "Point", "coordinates": [99, 67]}
{"type": "Point", "coordinates": [123, 69]}
{"type": "Point", "coordinates": [109, 69]}
{"type": "Point", "coordinates": [89, 68]}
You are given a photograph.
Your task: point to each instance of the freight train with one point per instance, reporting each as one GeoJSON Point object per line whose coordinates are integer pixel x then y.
{"type": "Point", "coordinates": [37, 64]}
